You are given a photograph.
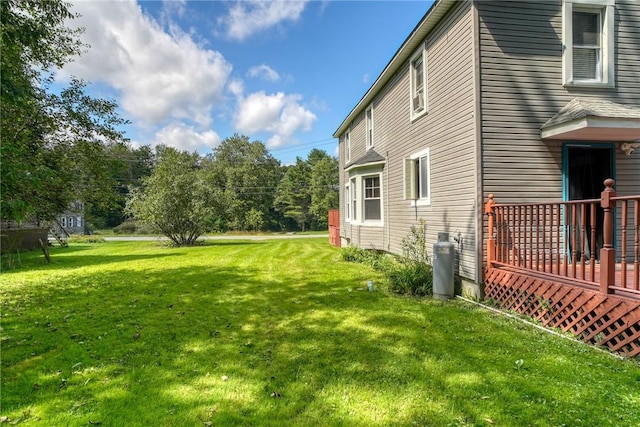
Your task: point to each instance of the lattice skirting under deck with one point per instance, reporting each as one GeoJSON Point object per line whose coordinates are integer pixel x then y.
{"type": "Point", "coordinates": [604, 320]}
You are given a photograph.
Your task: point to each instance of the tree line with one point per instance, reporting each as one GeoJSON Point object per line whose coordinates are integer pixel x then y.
{"type": "Point", "coordinates": [239, 186]}
{"type": "Point", "coordinates": [63, 146]}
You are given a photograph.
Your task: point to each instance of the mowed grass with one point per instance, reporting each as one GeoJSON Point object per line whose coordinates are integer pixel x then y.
{"type": "Point", "coordinates": [277, 333]}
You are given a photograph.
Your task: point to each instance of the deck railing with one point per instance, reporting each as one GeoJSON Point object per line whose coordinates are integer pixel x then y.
{"type": "Point", "coordinates": [573, 240]}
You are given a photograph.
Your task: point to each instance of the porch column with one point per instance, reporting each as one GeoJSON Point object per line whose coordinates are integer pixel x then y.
{"type": "Point", "coordinates": [607, 253]}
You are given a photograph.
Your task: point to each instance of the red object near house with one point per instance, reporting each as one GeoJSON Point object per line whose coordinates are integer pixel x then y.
{"type": "Point", "coordinates": [334, 227]}
{"type": "Point", "coordinates": [545, 260]}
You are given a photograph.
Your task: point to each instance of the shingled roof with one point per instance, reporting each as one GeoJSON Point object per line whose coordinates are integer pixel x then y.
{"type": "Point", "coordinates": [371, 157]}
{"type": "Point", "coordinates": [595, 120]}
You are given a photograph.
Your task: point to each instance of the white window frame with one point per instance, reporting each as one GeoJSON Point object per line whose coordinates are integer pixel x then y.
{"type": "Point", "coordinates": [357, 195]}
{"type": "Point", "coordinates": [365, 198]}
{"type": "Point", "coordinates": [413, 183]}
{"type": "Point", "coordinates": [605, 75]}
{"type": "Point", "coordinates": [369, 119]}
{"type": "Point", "coordinates": [418, 99]}
{"type": "Point", "coordinates": [353, 199]}
{"type": "Point", "coordinates": [347, 204]}
{"type": "Point", "coordinates": [347, 146]}
{"type": "Point", "coordinates": [63, 221]}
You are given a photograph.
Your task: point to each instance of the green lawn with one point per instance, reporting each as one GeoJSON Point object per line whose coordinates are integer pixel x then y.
{"type": "Point", "coordinates": [277, 333]}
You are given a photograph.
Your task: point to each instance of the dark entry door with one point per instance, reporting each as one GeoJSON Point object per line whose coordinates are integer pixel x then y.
{"type": "Point", "coordinates": [586, 169]}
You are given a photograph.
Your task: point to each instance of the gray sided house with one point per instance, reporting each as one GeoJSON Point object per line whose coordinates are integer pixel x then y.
{"type": "Point", "coordinates": [531, 101]}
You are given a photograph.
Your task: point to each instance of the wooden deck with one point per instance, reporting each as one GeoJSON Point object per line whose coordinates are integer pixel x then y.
{"type": "Point", "coordinates": [600, 319]}
{"type": "Point", "coordinates": [557, 262]}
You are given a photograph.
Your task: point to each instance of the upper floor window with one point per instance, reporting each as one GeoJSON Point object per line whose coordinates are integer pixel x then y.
{"type": "Point", "coordinates": [417, 171]}
{"type": "Point", "coordinates": [347, 146]}
{"type": "Point", "coordinates": [369, 114]}
{"type": "Point", "coordinates": [588, 51]}
{"type": "Point", "coordinates": [418, 84]}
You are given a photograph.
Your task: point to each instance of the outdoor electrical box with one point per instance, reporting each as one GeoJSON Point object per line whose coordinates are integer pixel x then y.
{"type": "Point", "coordinates": [443, 258]}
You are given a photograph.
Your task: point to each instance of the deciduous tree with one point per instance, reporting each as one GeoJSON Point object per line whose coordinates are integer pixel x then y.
{"type": "Point", "coordinates": [52, 149]}
{"type": "Point", "coordinates": [176, 198]}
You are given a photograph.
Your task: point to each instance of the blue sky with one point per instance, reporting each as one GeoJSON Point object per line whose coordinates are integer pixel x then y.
{"type": "Point", "coordinates": [191, 73]}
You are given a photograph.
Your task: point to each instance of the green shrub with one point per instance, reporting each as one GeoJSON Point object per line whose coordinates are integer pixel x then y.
{"type": "Point", "coordinates": [414, 245]}
{"type": "Point", "coordinates": [134, 227]}
{"type": "Point", "coordinates": [79, 238]}
{"type": "Point", "coordinates": [127, 227]}
{"type": "Point", "coordinates": [410, 274]}
{"type": "Point", "coordinates": [412, 278]}
{"type": "Point", "coordinates": [378, 260]}
{"type": "Point", "coordinates": [351, 254]}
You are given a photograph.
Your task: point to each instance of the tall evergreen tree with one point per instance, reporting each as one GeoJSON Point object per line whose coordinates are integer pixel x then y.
{"type": "Point", "coordinates": [293, 196]}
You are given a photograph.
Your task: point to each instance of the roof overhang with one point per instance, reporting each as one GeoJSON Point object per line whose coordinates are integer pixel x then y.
{"type": "Point", "coordinates": [592, 128]}
{"type": "Point", "coordinates": [435, 13]}
{"type": "Point", "coordinates": [371, 158]}
{"type": "Point", "coordinates": [362, 166]}
{"type": "Point", "coordinates": [594, 120]}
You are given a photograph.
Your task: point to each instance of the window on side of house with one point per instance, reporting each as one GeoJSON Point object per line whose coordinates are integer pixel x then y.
{"type": "Point", "coordinates": [369, 115]}
{"type": "Point", "coordinates": [418, 178]}
{"type": "Point", "coordinates": [588, 53]}
{"type": "Point", "coordinates": [347, 203]}
{"type": "Point", "coordinates": [418, 83]}
{"type": "Point", "coordinates": [372, 198]}
{"type": "Point", "coordinates": [354, 200]}
{"type": "Point", "coordinates": [63, 221]}
{"type": "Point", "coordinates": [347, 146]}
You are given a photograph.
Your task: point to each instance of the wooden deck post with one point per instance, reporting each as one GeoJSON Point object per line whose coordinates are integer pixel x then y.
{"type": "Point", "coordinates": [607, 253]}
{"type": "Point", "coordinates": [491, 241]}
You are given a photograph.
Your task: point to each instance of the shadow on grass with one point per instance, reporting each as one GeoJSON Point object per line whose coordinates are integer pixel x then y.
{"type": "Point", "coordinates": [232, 346]}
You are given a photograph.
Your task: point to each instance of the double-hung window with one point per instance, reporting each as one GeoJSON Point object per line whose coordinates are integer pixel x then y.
{"type": "Point", "coordinates": [354, 200]}
{"type": "Point", "coordinates": [347, 203]}
{"type": "Point", "coordinates": [369, 115]}
{"type": "Point", "coordinates": [588, 51]}
{"type": "Point", "coordinates": [417, 171]}
{"type": "Point", "coordinates": [372, 199]}
{"type": "Point", "coordinates": [418, 83]}
{"type": "Point", "coordinates": [364, 196]}
{"type": "Point", "coordinates": [347, 146]}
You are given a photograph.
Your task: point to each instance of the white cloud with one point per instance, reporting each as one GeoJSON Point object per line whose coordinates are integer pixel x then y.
{"type": "Point", "coordinates": [246, 18]}
{"type": "Point", "coordinates": [278, 114]}
{"type": "Point", "coordinates": [236, 87]}
{"type": "Point", "coordinates": [160, 76]}
{"type": "Point", "coordinates": [185, 137]}
{"type": "Point", "coordinates": [265, 72]}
